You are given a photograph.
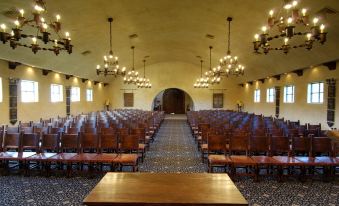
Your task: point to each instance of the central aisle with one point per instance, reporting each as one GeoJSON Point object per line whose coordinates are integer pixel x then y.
{"type": "Point", "coordinates": [174, 149]}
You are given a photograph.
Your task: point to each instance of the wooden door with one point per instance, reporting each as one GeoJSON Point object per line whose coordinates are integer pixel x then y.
{"type": "Point", "coordinates": [174, 101]}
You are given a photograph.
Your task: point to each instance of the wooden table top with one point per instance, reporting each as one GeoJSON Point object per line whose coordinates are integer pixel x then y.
{"type": "Point", "coordinates": [165, 189]}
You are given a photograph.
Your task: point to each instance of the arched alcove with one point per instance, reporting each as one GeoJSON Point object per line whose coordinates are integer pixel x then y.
{"type": "Point", "coordinates": [173, 101]}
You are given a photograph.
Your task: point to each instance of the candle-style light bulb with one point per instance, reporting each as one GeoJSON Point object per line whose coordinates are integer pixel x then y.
{"type": "Point", "coordinates": [98, 66]}
{"type": "Point", "coordinates": [289, 20]}
{"type": "Point", "coordinates": [34, 40]}
{"type": "Point", "coordinates": [17, 23]}
{"type": "Point", "coordinates": [3, 27]}
{"type": "Point", "coordinates": [322, 27]}
{"type": "Point", "coordinates": [286, 41]}
{"type": "Point", "coordinates": [271, 13]}
{"type": "Point", "coordinates": [55, 42]}
{"type": "Point", "coordinates": [57, 17]}
{"type": "Point", "coordinates": [287, 6]}
{"type": "Point", "coordinates": [303, 11]}
{"type": "Point", "coordinates": [42, 19]}
{"type": "Point", "coordinates": [256, 37]}
{"type": "Point", "coordinates": [294, 3]}
{"type": "Point", "coordinates": [22, 12]}
{"type": "Point", "coordinates": [45, 26]}
{"type": "Point", "coordinates": [308, 36]}
{"type": "Point", "coordinates": [264, 29]}
{"type": "Point", "coordinates": [315, 21]}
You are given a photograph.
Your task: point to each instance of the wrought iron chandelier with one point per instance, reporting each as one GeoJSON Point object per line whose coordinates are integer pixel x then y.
{"type": "Point", "coordinates": [144, 82]}
{"type": "Point", "coordinates": [40, 29]}
{"type": "Point", "coordinates": [132, 76]}
{"type": "Point", "coordinates": [229, 65]}
{"type": "Point", "coordinates": [111, 63]}
{"type": "Point", "coordinates": [201, 82]}
{"type": "Point", "coordinates": [285, 23]}
{"type": "Point", "coordinates": [213, 75]}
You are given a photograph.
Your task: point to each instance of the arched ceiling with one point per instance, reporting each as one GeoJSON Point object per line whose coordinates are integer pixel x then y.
{"type": "Point", "coordinates": [169, 30]}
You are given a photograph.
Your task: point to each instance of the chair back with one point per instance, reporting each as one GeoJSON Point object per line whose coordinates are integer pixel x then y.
{"type": "Point", "coordinates": [321, 145]}
{"type": "Point", "coordinates": [301, 145]}
{"type": "Point", "coordinates": [88, 141]}
{"type": "Point", "coordinates": [216, 143]}
{"type": "Point", "coordinates": [11, 141]}
{"type": "Point", "coordinates": [70, 142]}
{"type": "Point", "coordinates": [279, 145]}
{"type": "Point", "coordinates": [50, 142]}
{"type": "Point", "coordinates": [259, 144]}
{"type": "Point", "coordinates": [72, 130]}
{"type": "Point", "coordinates": [26, 130]}
{"type": "Point", "coordinates": [239, 143]}
{"type": "Point", "coordinates": [108, 141]}
{"type": "Point", "coordinates": [129, 142]}
{"type": "Point", "coordinates": [30, 142]}
{"type": "Point", "coordinates": [108, 130]}
{"type": "Point", "coordinates": [11, 130]}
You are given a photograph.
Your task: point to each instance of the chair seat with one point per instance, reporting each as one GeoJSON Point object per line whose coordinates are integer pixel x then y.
{"type": "Point", "coordinates": [84, 157]}
{"type": "Point", "coordinates": [128, 159]}
{"type": "Point", "coordinates": [142, 146]}
{"type": "Point", "coordinates": [218, 159]}
{"type": "Point", "coordinates": [41, 156]}
{"type": "Point", "coordinates": [326, 161]}
{"type": "Point", "coordinates": [62, 157]}
{"type": "Point", "coordinates": [263, 160]}
{"type": "Point", "coordinates": [107, 158]}
{"type": "Point", "coordinates": [15, 156]}
{"type": "Point", "coordinates": [286, 160]}
{"type": "Point", "coordinates": [242, 160]}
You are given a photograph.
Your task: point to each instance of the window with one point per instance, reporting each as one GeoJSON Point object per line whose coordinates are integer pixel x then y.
{"type": "Point", "coordinates": [0, 89]}
{"type": "Point", "coordinates": [257, 95]}
{"type": "Point", "coordinates": [29, 91]}
{"type": "Point", "coordinates": [289, 94]}
{"type": "Point", "coordinates": [315, 92]}
{"type": "Point", "coordinates": [75, 94]}
{"type": "Point", "coordinates": [270, 94]}
{"type": "Point", "coordinates": [56, 93]}
{"type": "Point", "coordinates": [89, 95]}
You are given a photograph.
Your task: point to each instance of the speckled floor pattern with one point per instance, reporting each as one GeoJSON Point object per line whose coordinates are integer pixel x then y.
{"type": "Point", "coordinates": [173, 150]}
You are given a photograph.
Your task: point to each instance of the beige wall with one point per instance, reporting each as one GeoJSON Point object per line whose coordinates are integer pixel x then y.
{"type": "Point", "coordinates": [172, 75]}
{"type": "Point", "coordinates": [300, 109]}
{"type": "Point", "coordinates": [45, 108]}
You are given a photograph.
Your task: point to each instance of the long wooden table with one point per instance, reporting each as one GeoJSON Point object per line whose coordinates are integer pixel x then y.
{"type": "Point", "coordinates": [202, 189]}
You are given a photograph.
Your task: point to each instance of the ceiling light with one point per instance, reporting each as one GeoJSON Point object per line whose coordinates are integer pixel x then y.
{"type": "Point", "coordinates": [287, 24]}
{"type": "Point", "coordinates": [43, 32]}
{"type": "Point", "coordinates": [111, 64]}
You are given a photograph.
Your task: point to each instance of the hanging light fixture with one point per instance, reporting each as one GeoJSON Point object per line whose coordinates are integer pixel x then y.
{"type": "Point", "coordinates": [132, 76]}
{"type": "Point", "coordinates": [111, 63]}
{"type": "Point", "coordinates": [229, 65]}
{"type": "Point", "coordinates": [285, 23]}
{"type": "Point", "coordinates": [213, 75]}
{"type": "Point", "coordinates": [42, 32]}
{"type": "Point", "coordinates": [201, 82]}
{"type": "Point", "coordinates": [144, 82]}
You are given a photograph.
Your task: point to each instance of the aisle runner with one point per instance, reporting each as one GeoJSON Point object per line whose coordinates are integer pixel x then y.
{"type": "Point", "coordinates": [173, 150]}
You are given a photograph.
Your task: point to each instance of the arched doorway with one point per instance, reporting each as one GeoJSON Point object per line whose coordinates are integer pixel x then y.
{"type": "Point", "coordinates": [173, 101]}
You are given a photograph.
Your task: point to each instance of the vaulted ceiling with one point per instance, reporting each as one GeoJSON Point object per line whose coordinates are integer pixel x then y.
{"type": "Point", "coordinates": [169, 30]}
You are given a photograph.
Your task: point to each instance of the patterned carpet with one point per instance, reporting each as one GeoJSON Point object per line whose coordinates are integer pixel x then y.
{"type": "Point", "coordinates": [174, 150]}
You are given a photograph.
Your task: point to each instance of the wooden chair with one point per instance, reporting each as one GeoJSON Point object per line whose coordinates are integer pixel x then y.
{"type": "Point", "coordinates": [69, 148]}
{"type": "Point", "coordinates": [129, 144]}
{"type": "Point", "coordinates": [217, 152]}
{"type": "Point", "coordinates": [239, 144]}
{"type": "Point", "coordinates": [108, 150]}
{"type": "Point", "coordinates": [281, 152]}
{"type": "Point", "coordinates": [259, 149]}
{"type": "Point", "coordinates": [49, 148]}
{"type": "Point", "coordinates": [72, 130]}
